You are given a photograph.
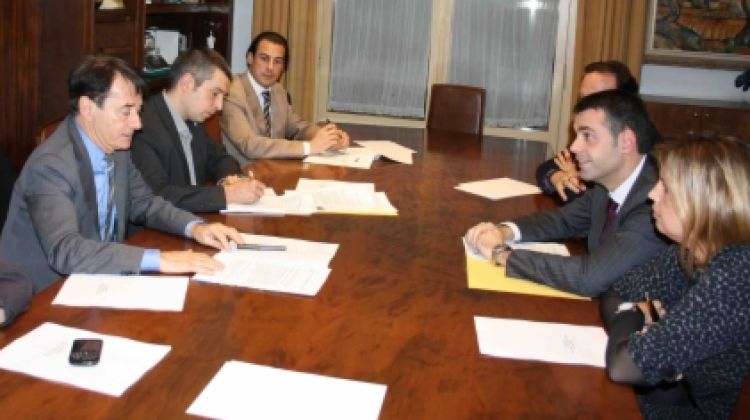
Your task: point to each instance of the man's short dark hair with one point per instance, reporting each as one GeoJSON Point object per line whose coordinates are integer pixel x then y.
{"type": "Point", "coordinates": [269, 36]}
{"type": "Point", "coordinates": [623, 110]}
{"type": "Point", "coordinates": [201, 63]}
{"type": "Point", "coordinates": [623, 77]}
{"type": "Point", "coordinates": [93, 78]}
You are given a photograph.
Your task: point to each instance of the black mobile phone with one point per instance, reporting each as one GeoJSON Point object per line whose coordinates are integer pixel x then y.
{"type": "Point", "coordinates": [85, 351]}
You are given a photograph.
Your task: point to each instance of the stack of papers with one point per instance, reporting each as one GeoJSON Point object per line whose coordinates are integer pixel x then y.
{"type": "Point", "coordinates": [389, 150]}
{"type": "Point", "coordinates": [322, 196]}
{"type": "Point", "coordinates": [295, 266]}
{"type": "Point", "coordinates": [353, 157]}
{"type": "Point", "coordinates": [272, 205]}
{"type": "Point", "coordinates": [44, 352]}
{"type": "Point", "coordinates": [544, 341]}
{"type": "Point", "coordinates": [158, 293]}
{"type": "Point", "coordinates": [498, 188]}
{"type": "Point", "coordinates": [250, 391]}
{"type": "Point", "coordinates": [484, 275]}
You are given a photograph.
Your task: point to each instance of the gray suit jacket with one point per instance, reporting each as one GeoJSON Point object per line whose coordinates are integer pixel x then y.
{"type": "Point", "coordinates": [52, 227]}
{"type": "Point", "coordinates": [243, 125]}
{"type": "Point", "coordinates": [631, 241]}
{"type": "Point", "coordinates": [157, 152]}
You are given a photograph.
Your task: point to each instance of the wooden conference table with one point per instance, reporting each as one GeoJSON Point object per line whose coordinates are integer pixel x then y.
{"type": "Point", "coordinates": [395, 309]}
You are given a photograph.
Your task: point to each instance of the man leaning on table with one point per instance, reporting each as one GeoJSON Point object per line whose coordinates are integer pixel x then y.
{"type": "Point", "coordinates": [256, 97]}
{"type": "Point", "coordinates": [613, 137]}
{"type": "Point", "coordinates": [173, 150]}
{"type": "Point", "coordinates": [79, 189]}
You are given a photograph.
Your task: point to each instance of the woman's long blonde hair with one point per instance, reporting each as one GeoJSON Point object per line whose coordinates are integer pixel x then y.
{"type": "Point", "coordinates": [709, 182]}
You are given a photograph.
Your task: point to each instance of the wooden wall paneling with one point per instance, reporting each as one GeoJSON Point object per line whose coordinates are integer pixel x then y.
{"type": "Point", "coordinates": [19, 110]}
{"type": "Point", "coordinates": [61, 47]}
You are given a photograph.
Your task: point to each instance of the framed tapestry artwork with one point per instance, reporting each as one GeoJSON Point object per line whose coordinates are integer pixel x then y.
{"type": "Point", "coordinates": [699, 33]}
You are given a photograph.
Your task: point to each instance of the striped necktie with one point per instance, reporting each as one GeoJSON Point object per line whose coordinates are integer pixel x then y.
{"type": "Point", "coordinates": [110, 225]}
{"type": "Point", "coordinates": [267, 110]}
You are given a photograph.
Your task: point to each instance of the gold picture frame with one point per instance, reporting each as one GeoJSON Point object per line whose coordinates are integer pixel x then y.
{"type": "Point", "coordinates": [699, 33]}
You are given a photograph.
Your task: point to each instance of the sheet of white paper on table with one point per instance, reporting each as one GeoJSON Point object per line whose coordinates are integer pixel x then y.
{"type": "Point", "coordinates": [307, 185]}
{"type": "Point", "coordinates": [553, 248]}
{"type": "Point", "coordinates": [389, 149]}
{"type": "Point", "coordinates": [246, 390]}
{"type": "Point", "coordinates": [269, 204]}
{"type": "Point", "coordinates": [287, 204]}
{"type": "Point", "coordinates": [352, 157]}
{"type": "Point", "coordinates": [544, 247]}
{"type": "Point", "coordinates": [43, 353]}
{"type": "Point", "coordinates": [244, 270]}
{"type": "Point", "coordinates": [543, 341]}
{"type": "Point", "coordinates": [298, 251]}
{"type": "Point", "coordinates": [498, 188]}
{"type": "Point", "coordinates": [158, 293]}
{"type": "Point", "coordinates": [351, 201]}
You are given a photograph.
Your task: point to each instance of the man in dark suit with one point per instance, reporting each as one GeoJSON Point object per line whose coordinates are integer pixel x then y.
{"type": "Point", "coordinates": [173, 151]}
{"type": "Point", "coordinates": [614, 136]}
{"type": "Point", "coordinates": [256, 96]}
{"type": "Point", "coordinates": [79, 189]}
{"type": "Point", "coordinates": [559, 176]}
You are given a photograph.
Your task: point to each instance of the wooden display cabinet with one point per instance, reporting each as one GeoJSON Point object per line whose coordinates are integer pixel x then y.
{"type": "Point", "coordinates": [117, 32]}
{"type": "Point", "coordinates": [678, 118]}
{"type": "Point", "coordinates": [195, 21]}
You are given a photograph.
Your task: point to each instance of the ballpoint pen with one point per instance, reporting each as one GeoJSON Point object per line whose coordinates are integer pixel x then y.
{"type": "Point", "coordinates": [261, 247]}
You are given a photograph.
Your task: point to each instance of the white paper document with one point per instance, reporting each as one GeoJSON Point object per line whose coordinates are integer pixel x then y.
{"type": "Point", "coordinates": [498, 188]}
{"type": "Point", "coordinates": [273, 276]}
{"type": "Point", "coordinates": [157, 293]}
{"type": "Point", "coordinates": [274, 206]}
{"type": "Point", "coordinates": [543, 341]}
{"type": "Point", "coordinates": [301, 268]}
{"type": "Point", "coordinates": [544, 247]}
{"type": "Point", "coordinates": [329, 196]}
{"type": "Point", "coordinates": [352, 157]}
{"type": "Point", "coordinates": [389, 149]}
{"type": "Point", "coordinates": [269, 204]}
{"type": "Point", "coordinates": [308, 185]}
{"type": "Point", "coordinates": [248, 391]}
{"type": "Point", "coordinates": [298, 251]}
{"type": "Point", "coordinates": [44, 352]}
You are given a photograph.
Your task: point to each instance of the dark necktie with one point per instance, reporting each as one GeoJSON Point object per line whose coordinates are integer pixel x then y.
{"type": "Point", "coordinates": [110, 225]}
{"type": "Point", "coordinates": [611, 216]}
{"type": "Point", "coordinates": [267, 110]}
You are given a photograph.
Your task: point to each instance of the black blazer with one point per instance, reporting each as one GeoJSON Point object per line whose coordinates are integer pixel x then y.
{"type": "Point", "coordinates": [157, 153]}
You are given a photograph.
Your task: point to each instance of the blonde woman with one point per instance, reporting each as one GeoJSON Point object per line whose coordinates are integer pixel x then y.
{"type": "Point", "coordinates": [679, 326]}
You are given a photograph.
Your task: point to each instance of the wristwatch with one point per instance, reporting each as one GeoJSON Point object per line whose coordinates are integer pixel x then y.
{"type": "Point", "coordinates": [496, 251]}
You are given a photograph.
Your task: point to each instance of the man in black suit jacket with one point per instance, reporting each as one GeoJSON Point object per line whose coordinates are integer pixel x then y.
{"type": "Point", "coordinates": [173, 151]}
{"type": "Point", "coordinates": [614, 136]}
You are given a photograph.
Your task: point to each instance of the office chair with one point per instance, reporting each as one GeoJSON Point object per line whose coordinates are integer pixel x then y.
{"type": "Point", "coordinates": [456, 108]}
{"type": "Point", "coordinates": [213, 128]}
{"type": "Point", "coordinates": [47, 131]}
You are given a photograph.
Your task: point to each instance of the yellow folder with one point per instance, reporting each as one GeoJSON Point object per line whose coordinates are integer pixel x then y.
{"type": "Point", "coordinates": [486, 276]}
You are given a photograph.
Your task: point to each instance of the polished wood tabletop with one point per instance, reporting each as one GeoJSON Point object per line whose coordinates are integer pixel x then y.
{"type": "Point", "coordinates": [395, 309]}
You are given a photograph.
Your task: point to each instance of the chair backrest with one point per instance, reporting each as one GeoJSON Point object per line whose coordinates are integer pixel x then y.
{"type": "Point", "coordinates": [47, 131]}
{"type": "Point", "coordinates": [456, 108]}
{"type": "Point", "coordinates": [213, 128]}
